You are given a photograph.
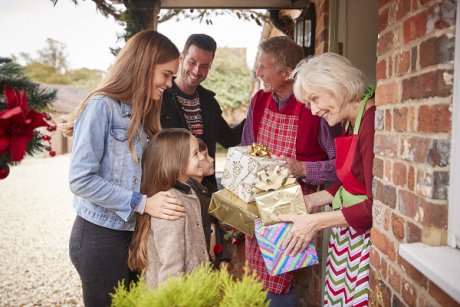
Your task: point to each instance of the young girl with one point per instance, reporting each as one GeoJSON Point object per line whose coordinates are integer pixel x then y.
{"type": "Point", "coordinates": [169, 248]}
{"type": "Point", "coordinates": [110, 130]}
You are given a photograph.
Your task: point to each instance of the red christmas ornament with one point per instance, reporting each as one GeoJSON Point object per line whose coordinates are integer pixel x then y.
{"type": "Point", "coordinates": [52, 153]}
{"type": "Point", "coordinates": [46, 137]}
{"type": "Point", "coordinates": [4, 172]}
{"type": "Point", "coordinates": [17, 124]}
{"type": "Point", "coordinates": [217, 249]}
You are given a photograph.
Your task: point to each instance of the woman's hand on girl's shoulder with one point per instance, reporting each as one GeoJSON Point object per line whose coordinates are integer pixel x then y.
{"type": "Point", "coordinates": [164, 205]}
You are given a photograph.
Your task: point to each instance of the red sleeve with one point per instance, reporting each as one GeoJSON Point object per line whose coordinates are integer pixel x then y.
{"type": "Point", "coordinates": [334, 188]}
{"type": "Point", "coordinates": [359, 216]}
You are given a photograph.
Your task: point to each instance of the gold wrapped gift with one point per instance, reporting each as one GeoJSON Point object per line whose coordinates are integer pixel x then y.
{"type": "Point", "coordinates": [231, 210]}
{"type": "Point", "coordinates": [285, 200]}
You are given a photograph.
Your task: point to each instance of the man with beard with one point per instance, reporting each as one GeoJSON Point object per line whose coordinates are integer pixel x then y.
{"type": "Point", "coordinates": [289, 130]}
{"type": "Point", "coordinates": [191, 106]}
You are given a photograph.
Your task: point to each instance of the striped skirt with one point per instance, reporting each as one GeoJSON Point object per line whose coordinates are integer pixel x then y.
{"type": "Point", "coordinates": [347, 268]}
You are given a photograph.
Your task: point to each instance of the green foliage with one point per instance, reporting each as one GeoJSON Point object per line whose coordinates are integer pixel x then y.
{"type": "Point", "coordinates": [13, 76]}
{"type": "Point", "coordinates": [230, 78]}
{"type": "Point", "coordinates": [204, 287]}
{"type": "Point", "coordinates": [45, 73]}
{"type": "Point", "coordinates": [85, 76]}
{"type": "Point", "coordinates": [50, 67]}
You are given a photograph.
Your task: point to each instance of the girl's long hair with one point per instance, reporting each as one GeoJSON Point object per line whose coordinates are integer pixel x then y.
{"type": "Point", "coordinates": [130, 80]}
{"type": "Point", "coordinates": [163, 161]}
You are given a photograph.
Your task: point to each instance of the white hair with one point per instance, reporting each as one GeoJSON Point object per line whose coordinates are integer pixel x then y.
{"type": "Point", "coordinates": [331, 73]}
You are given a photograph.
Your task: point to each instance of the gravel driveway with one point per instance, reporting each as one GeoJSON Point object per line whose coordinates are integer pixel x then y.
{"type": "Point", "coordinates": [37, 215]}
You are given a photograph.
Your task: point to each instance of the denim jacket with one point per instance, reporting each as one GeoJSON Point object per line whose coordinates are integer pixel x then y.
{"type": "Point", "coordinates": [103, 175]}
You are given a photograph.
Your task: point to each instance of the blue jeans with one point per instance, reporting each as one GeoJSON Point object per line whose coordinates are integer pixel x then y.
{"type": "Point", "coordinates": [283, 300]}
{"type": "Point", "coordinates": [100, 256]}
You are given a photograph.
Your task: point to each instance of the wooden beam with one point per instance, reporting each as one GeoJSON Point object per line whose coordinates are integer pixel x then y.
{"type": "Point", "coordinates": [224, 4]}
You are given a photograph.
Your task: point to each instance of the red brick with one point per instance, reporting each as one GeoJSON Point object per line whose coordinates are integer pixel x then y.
{"type": "Point", "coordinates": [415, 27]}
{"type": "Point", "coordinates": [434, 118]}
{"type": "Point", "coordinates": [386, 194]}
{"type": "Point", "coordinates": [386, 145]}
{"type": "Point", "coordinates": [439, 154]}
{"type": "Point", "coordinates": [441, 15]}
{"type": "Point", "coordinates": [432, 184]}
{"type": "Point", "coordinates": [412, 272]}
{"type": "Point", "coordinates": [383, 2]}
{"type": "Point", "coordinates": [388, 120]}
{"type": "Point", "coordinates": [386, 43]}
{"type": "Point", "coordinates": [374, 259]}
{"type": "Point", "coordinates": [409, 293]}
{"type": "Point", "coordinates": [400, 119]}
{"type": "Point", "coordinates": [414, 5]}
{"type": "Point", "coordinates": [397, 225]}
{"type": "Point", "coordinates": [396, 302]}
{"type": "Point", "coordinates": [383, 244]}
{"type": "Point", "coordinates": [394, 278]}
{"type": "Point", "coordinates": [411, 119]}
{"type": "Point", "coordinates": [430, 84]}
{"type": "Point", "coordinates": [411, 178]}
{"type": "Point", "coordinates": [383, 270]}
{"type": "Point", "coordinates": [437, 50]}
{"type": "Point", "coordinates": [386, 219]}
{"type": "Point", "coordinates": [390, 66]}
{"type": "Point", "coordinates": [413, 233]}
{"type": "Point", "coordinates": [383, 20]}
{"type": "Point", "coordinates": [402, 63]}
{"type": "Point", "coordinates": [442, 297]}
{"type": "Point", "coordinates": [408, 203]}
{"type": "Point", "coordinates": [387, 93]}
{"type": "Point", "coordinates": [381, 70]}
{"type": "Point", "coordinates": [387, 170]}
{"type": "Point", "coordinates": [415, 149]}
{"type": "Point", "coordinates": [380, 294]}
{"type": "Point", "coordinates": [402, 8]}
{"type": "Point", "coordinates": [413, 58]}
{"type": "Point", "coordinates": [399, 174]}
{"type": "Point", "coordinates": [434, 214]}
{"type": "Point", "coordinates": [377, 167]}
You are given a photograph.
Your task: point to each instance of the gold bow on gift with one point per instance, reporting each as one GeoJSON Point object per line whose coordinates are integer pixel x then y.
{"type": "Point", "coordinates": [258, 150]}
{"type": "Point", "coordinates": [273, 178]}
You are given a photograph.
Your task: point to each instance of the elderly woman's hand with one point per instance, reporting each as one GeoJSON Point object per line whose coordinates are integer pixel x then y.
{"type": "Point", "coordinates": [317, 199]}
{"type": "Point", "coordinates": [164, 205]}
{"type": "Point", "coordinates": [297, 168]}
{"type": "Point", "coordinates": [302, 232]}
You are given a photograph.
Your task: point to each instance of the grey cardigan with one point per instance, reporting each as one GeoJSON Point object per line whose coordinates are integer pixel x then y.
{"type": "Point", "coordinates": [176, 247]}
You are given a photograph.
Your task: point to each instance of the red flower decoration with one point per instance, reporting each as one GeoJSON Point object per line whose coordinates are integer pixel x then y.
{"type": "Point", "coordinates": [217, 249]}
{"type": "Point", "coordinates": [17, 124]}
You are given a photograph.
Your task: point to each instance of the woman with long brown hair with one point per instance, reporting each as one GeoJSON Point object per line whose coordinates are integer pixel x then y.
{"type": "Point", "coordinates": [110, 130]}
{"type": "Point", "coordinates": [169, 248]}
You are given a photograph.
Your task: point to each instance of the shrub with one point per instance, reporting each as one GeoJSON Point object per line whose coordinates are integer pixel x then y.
{"type": "Point", "coordinates": [203, 287]}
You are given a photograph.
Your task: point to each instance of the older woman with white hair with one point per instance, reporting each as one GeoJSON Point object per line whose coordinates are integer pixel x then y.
{"type": "Point", "coordinates": [335, 90]}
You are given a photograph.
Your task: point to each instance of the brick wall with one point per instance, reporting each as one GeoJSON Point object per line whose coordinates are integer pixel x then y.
{"type": "Point", "coordinates": [415, 53]}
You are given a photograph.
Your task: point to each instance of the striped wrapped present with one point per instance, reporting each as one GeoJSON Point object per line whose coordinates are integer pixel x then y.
{"type": "Point", "coordinates": [276, 260]}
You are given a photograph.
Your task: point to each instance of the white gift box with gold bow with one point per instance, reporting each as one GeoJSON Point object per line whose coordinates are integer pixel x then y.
{"type": "Point", "coordinates": [241, 170]}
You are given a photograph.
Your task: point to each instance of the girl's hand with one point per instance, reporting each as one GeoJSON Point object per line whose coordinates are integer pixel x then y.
{"type": "Point", "coordinates": [164, 205]}
{"type": "Point", "coordinates": [303, 230]}
{"type": "Point", "coordinates": [297, 168]}
{"type": "Point", "coordinates": [317, 199]}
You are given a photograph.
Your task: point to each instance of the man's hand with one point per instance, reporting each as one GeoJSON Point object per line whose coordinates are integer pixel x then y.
{"type": "Point", "coordinates": [297, 168]}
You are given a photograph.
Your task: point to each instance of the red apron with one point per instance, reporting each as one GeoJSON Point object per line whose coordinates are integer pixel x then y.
{"type": "Point", "coordinates": [347, 266]}
{"type": "Point", "coordinates": [278, 132]}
